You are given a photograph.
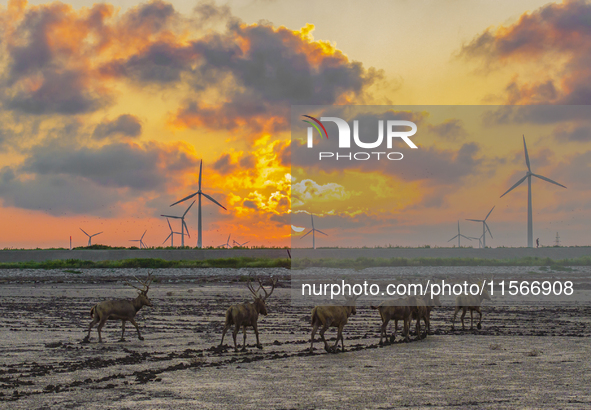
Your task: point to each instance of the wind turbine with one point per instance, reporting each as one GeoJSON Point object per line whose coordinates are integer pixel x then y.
{"type": "Point", "coordinates": [90, 236]}
{"type": "Point", "coordinates": [200, 193]}
{"type": "Point", "coordinates": [140, 240]}
{"type": "Point", "coordinates": [484, 228]}
{"type": "Point", "coordinates": [528, 175]}
{"type": "Point", "coordinates": [183, 224]}
{"type": "Point", "coordinates": [171, 236]}
{"type": "Point", "coordinates": [238, 243]}
{"type": "Point", "coordinates": [313, 231]}
{"type": "Point", "coordinates": [227, 244]}
{"type": "Point", "coordinates": [459, 235]}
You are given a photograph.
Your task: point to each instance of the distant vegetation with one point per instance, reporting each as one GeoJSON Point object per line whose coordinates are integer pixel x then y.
{"type": "Point", "coordinates": [69, 264]}
{"type": "Point", "coordinates": [361, 263]}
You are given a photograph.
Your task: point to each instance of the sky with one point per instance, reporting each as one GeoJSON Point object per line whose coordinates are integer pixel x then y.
{"type": "Point", "coordinates": [107, 110]}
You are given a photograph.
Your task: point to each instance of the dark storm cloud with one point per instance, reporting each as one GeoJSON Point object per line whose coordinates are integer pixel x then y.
{"type": "Point", "coordinates": [125, 125]}
{"type": "Point", "coordinates": [558, 32]}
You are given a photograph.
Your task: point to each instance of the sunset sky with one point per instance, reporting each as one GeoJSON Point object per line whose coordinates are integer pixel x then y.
{"type": "Point", "coordinates": [106, 110]}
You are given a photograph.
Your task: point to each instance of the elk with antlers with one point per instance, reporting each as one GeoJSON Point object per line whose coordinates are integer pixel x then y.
{"type": "Point", "coordinates": [247, 314]}
{"type": "Point", "coordinates": [124, 310]}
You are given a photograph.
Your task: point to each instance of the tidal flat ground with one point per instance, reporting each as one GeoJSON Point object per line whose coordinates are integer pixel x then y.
{"type": "Point", "coordinates": [523, 357]}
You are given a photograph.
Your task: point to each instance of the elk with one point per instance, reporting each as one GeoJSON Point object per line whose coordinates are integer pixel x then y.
{"type": "Point", "coordinates": [247, 314]}
{"type": "Point", "coordinates": [419, 310]}
{"type": "Point", "coordinates": [430, 302]}
{"type": "Point", "coordinates": [332, 316]}
{"type": "Point", "coordinates": [393, 310]}
{"type": "Point", "coordinates": [124, 310]}
{"type": "Point", "coordinates": [472, 303]}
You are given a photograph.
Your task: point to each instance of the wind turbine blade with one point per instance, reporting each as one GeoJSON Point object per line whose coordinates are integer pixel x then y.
{"type": "Point", "coordinates": [488, 229]}
{"type": "Point", "coordinates": [184, 199]}
{"type": "Point", "coordinates": [463, 236]}
{"type": "Point", "coordinates": [321, 232]}
{"type": "Point", "coordinates": [213, 200]}
{"type": "Point", "coordinates": [489, 213]}
{"type": "Point", "coordinates": [143, 235]}
{"type": "Point", "coordinates": [245, 243]}
{"type": "Point", "coordinates": [97, 234]}
{"type": "Point", "coordinates": [548, 180]}
{"type": "Point", "coordinates": [186, 228]}
{"type": "Point", "coordinates": [170, 227]}
{"type": "Point", "coordinates": [453, 238]}
{"type": "Point", "coordinates": [84, 232]}
{"type": "Point", "coordinates": [170, 216]}
{"type": "Point", "coordinates": [309, 232]}
{"type": "Point", "coordinates": [188, 208]}
{"type": "Point", "coordinates": [526, 156]}
{"type": "Point", "coordinates": [312, 217]}
{"type": "Point", "coordinates": [475, 220]}
{"type": "Point", "coordinates": [167, 238]}
{"type": "Point", "coordinates": [510, 189]}
{"type": "Point", "coordinates": [200, 170]}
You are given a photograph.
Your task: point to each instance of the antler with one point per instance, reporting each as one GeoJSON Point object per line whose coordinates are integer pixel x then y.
{"type": "Point", "coordinates": [267, 294]}
{"type": "Point", "coordinates": [249, 285]}
{"type": "Point", "coordinates": [145, 283]}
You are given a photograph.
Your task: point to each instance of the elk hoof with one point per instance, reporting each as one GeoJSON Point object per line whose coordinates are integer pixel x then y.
{"type": "Point", "coordinates": [392, 338]}
{"type": "Point", "coordinates": [139, 337]}
{"type": "Point", "coordinates": [121, 340]}
{"type": "Point", "coordinates": [260, 347]}
{"type": "Point", "coordinates": [100, 341]}
{"type": "Point", "coordinates": [243, 349]}
{"type": "Point", "coordinates": [478, 326]}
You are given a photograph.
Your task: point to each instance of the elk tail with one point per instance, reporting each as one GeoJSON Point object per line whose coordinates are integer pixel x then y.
{"type": "Point", "coordinates": [92, 311]}
{"type": "Point", "coordinates": [229, 320]}
{"type": "Point", "coordinates": [314, 316]}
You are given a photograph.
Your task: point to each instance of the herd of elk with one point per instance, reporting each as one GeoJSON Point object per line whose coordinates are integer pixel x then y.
{"type": "Point", "coordinates": [247, 314]}
{"type": "Point", "coordinates": [323, 317]}
{"type": "Point", "coordinates": [124, 310]}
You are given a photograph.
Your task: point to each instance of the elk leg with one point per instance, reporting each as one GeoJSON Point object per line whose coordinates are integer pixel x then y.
{"type": "Point", "coordinates": [244, 342]}
{"type": "Point", "coordinates": [100, 327]}
{"type": "Point", "coordinates": [383, 330]}
{"type": "Point", "coordinates": [479, 326]}
{"type": "Point", "coordinates": [426, 320]}
{"type": "Point", "coordinates": [224, 334]}
{"type": "Point", "coordinates": [406, 325]}
{"type": "Point", "coordinates": [324, 328]}
{"type": "Point", "coordinates": [139, 335]}
{"type": "Point", "coordinates": [95, 320]}
{"type": "Point", "coordinates": [234, 334]}
{"type": "Point", "coordinates": [418, 327]}
{"type": "Point", "coordinates": [256, 332]}
{"type": "Point", "coordinates": [453, 321]}
{"type": "Point", "coordinates": [429, 323]}
{"type": "Point", "coordinates": [122, 330]}
{"type": "Point", "coordinates": [339, 336]}
{"type": "Point", "coordinates": [393, 337]}
{"type": "Point", "coordinates": [462, 317]}
{"type": "Point", "coordinates": [314, 329]}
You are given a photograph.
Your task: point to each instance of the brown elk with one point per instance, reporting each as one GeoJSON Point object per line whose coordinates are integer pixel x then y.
{"type": "Point", "coordinates": [393, 310]}
{"type": "Point", "coordinates": [124, 310]}
{"type": "Point", "coordinates": [472, 303]}
{"type": "Point", "coordinates": [430, 302]}
{"type": "Point", "coordinates": [332, 316]}
{"type": "Point", "coordinates": [419, 310]}
{"type": "Point", "coordinates": [247, 314]}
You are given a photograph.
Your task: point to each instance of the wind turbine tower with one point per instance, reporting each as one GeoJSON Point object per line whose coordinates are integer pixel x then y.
{"type": "Point", "coordinates": [199, 219]}
{"type": "Point", "coordinates": [313, 231]}
{"type": "Point", "coordinates": [528, 175]}
{"type": "Point", "coordinates": [141, 240]}
{"type": "Point", "coordinates": [484, 227]}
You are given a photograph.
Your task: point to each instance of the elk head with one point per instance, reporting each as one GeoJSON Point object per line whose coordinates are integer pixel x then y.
{"type": "Point", "coordinates": [142, 297]}
{"type": "Point", "coordinates": [350, 301]}
{"type": "Point", "coordinates": [259, 300]}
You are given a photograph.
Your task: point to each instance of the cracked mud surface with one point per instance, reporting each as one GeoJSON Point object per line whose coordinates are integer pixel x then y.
{"type": "Point", "coordinates": [524, 357]}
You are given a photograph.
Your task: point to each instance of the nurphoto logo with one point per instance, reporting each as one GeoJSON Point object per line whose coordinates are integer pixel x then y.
{"type": "Point", "coordinates": [393, 129]}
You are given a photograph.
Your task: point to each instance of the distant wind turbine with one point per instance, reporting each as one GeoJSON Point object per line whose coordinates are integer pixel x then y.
{"type": "Point", "coordinates": [484, 228]}
{"type": "Point", "coordinates": [227, 244]}
{"type": "Point", "coordinates": [141, 240]}
{"type": "Point", "coordinates": [459, 235]}
{"type": "Point", "coordinates": [200, 193]}
{"type": "Point", "coordinates": [238, 243]}
{"type": "Point", "coordinates": [90, 236]}
{"type": "Point", "coordinates": [171, 236]}
{"type": "Point", "coordinates": [183, 224]}
{"type": "Point", "coordinates": [528, 175]}
{"type": "Point", "coordinates": [313, 231]}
